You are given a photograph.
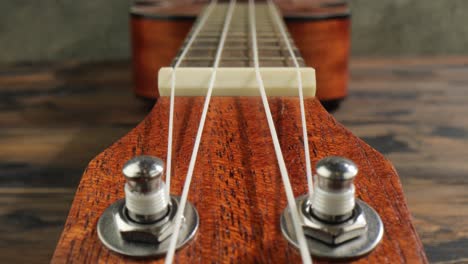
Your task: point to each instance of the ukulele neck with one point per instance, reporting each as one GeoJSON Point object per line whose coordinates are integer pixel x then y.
{"type": "Point", "coordinates": [235, 75]}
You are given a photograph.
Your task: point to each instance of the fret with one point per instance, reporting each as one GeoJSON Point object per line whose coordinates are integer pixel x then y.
{"type": "Point", "coordinates": [280, 61]}
{"type": "Point", "coordinates": [237, 52]}
{"type": "Point", "coordinates": [236, 72]}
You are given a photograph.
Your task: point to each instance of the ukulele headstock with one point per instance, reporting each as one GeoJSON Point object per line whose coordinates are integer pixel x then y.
{"type": "Point", "coordinates": [236, 187]}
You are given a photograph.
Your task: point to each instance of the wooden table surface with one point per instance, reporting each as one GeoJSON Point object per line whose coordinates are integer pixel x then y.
{"type": "Point", "coordinates": [54, 117]}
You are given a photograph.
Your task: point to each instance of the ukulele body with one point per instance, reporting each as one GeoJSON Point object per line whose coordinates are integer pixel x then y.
{"type": "Point", "coordinates": [321, 32]}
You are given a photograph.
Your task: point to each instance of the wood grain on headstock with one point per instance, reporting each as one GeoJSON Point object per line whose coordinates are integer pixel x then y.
{"type": "Point", "coordinates": [237, 188]}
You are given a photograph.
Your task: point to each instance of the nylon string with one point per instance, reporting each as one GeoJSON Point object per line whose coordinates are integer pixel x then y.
{"type": "Point", "coordinates": [192, 38]}
{"type": "Point", "coordinates": [279, 22]}
{"type": "Point", "coordinates": [188, 179]}
{"type": "Point", "coordinates": [304, 250]}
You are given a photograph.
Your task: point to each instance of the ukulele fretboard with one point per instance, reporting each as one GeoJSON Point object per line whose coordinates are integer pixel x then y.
{"type": "Point", "coordinates": [237, 51]}
{"type": "Point", "coordinates": [235, 75]}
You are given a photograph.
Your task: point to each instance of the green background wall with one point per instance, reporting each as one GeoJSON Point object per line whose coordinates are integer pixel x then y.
{"type": "Point", "coordinates": [96, 30]}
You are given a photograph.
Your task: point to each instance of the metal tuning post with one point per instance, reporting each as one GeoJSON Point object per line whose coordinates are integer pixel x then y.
{"type": "Point", "coordinates": [336, 224]}
{"type": "Point", "coordinates": [140, 225]}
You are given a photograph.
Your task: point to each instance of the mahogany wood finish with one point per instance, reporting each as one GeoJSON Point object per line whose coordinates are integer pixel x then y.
{"type": "Point", "coordinates": [155, 43]}
{"type": "Point", "coordinates": [321, 31]}
{"type": "Point", "coordinates": [237, 187]}
{"type": "Point", "coordinates": [324, 45]}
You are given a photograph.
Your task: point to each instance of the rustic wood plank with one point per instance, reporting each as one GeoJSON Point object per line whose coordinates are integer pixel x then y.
{"type": "Point", "coordinates": [54, 117]}
{"type": "Point", "coordinates": [30, 223]}
{"type": "Point", "coordinates": [413, 110]}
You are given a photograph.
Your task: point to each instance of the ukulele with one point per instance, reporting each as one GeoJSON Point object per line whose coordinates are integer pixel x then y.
{"type": "Point", "coordinates": [320, 28]}
{"type": "Point", "coordinates": [220, 171]}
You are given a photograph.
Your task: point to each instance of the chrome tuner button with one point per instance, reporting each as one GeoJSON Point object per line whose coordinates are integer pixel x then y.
{"type": "Point", "coordinates": [140, 225]}
{"type": "Point", "coordinates": [333, 199]}
{"type": "Point", "coordinates": [146, 198]}
{"type": "Point", "coordinates": [336, 224]}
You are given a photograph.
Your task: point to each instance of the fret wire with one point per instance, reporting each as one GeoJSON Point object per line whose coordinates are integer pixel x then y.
{"type": "Point", "coordinates": [236, 46]}
{"type": "Point", "coordinates": [194, 59]}
{"type": "Point", "coordinates": [236, 49]}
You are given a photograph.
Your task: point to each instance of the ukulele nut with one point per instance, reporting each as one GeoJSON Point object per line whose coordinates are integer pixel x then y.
{"type": "Point", "coordinates": [140, 225]}
{"type": "Point", "coordinates": [335, 223]}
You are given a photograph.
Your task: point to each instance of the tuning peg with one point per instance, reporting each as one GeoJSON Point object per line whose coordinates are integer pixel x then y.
{"type": "Point", "coordinates": [336, 224]}
{"type": "Point", "coordinates": [140, 225]}
{"type": "Point", "coordinates": [146, 198]}
{"type": "Point", "coordinates": [333, 198]}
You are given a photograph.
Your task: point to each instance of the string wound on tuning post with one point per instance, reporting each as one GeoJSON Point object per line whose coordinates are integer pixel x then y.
{"type": "Point", "coordinates": [336, 224]}
{"type": "Point", "coordinates": [333, 198]}
{"type": "Point", "coordinates": [146, 197]}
